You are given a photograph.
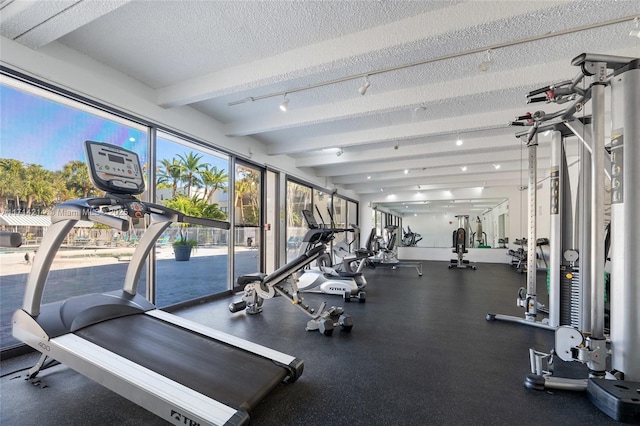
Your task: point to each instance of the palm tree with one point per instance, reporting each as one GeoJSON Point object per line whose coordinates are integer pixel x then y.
{"type": "Point", "coordinates": [39, 186]}
{"type": "Point", "coordinates": [191, 164]}
{"type": "Point", "coordinates": [213, 179]}
{"type": "Point", "coordinates": [12, 181]}
{"type": "Point", "coordinates": [171, 173]}
{"type": "Point", "coordinates": [247, 189]}
{"type": "Point", "coordinates": [62, 192]}
{"type": "Point", "coordinates": [77, 178]}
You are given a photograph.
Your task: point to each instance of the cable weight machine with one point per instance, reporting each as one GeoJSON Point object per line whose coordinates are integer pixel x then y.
{"type": "Point", "coordinates": [613, 390]}
{"type": "Point", "coordinates": [460, 244]}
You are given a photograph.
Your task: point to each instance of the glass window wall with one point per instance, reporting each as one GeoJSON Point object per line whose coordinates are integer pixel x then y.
{"type": "Point", "coordinates": [191, 261]}
{"type": "Point", "coordinates": [298, 198]}
{"type": "Point", "coordinates": [42, 164]}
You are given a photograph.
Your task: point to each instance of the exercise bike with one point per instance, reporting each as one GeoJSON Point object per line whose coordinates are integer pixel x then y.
{"type": "Point", "coordinates": [324, 278]}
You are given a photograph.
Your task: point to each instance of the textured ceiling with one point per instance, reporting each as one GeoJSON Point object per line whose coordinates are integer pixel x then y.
{"type": "Point", "coordinates": [208, 54]}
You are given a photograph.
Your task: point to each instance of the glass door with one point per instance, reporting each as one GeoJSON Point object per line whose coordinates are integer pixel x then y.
{"type": "Point", "coordinates": [247, 231]}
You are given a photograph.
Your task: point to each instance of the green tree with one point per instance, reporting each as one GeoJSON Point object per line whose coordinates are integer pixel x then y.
{"type": "Point", "coordinates": [247, 195]}
{"type": "Point", "coordinates": [12, 181]}
{"type": "Point", "coordinates": [171, 173]}
{"type": "Point", "coordinates": [39, 187]}
{"type": "Point", "coordinates": [77, 179]}
{"type": "Point", "coordinates": [213, 179]}
{"type": "Point", "coordinates": [192, 165]}
{"type": "Point", "coordinates": [194, 206]}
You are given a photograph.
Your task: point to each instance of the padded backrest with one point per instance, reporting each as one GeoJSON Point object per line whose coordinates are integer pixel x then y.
{"type": "Point", "coordinates": [296, 264]}
{"type": "Point", "coordinates": [372, 236]}
{"type": "Point", "coordinates": [392, 242]}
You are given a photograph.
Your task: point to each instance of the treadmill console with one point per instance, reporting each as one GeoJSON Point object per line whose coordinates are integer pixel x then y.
{"type": "Point", "coordinates": [114, 169]}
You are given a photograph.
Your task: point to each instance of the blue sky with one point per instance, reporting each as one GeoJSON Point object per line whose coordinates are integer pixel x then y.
{"type": "Point", "coordinates": [36, 130]}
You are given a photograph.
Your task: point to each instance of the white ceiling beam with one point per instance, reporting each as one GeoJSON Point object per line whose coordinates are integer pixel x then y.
{"type": "Point", "coordinates": [330, 54]}
{"type": "Point", "coordinates": [476, 179]}
{"type": "Point", "coordinates": [37, 23]}
{"type": "Point", "coordinates": [416, 175]}
{"type": "Point", "coordinates": [398, 132]}
{"type": "Point", "coordinates": [412, 156]}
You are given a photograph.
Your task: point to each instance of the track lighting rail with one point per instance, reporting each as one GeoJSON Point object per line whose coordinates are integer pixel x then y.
{"type": "Point", "coordinates": [368, 74]}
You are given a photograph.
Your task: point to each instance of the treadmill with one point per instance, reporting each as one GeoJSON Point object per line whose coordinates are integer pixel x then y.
{"type": "Point", "coordinates": [184, 372]}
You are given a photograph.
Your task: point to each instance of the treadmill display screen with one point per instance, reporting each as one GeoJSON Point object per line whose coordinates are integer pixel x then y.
{"type": "Point", "coordinates": [116, 159]}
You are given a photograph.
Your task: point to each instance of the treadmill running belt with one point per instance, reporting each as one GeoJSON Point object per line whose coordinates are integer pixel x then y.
{"type": "Point", "coordinates": [227, 374]}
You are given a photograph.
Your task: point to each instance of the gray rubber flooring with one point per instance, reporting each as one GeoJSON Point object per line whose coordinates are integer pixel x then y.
{"type": "Point", "coordinates": [420, 353]}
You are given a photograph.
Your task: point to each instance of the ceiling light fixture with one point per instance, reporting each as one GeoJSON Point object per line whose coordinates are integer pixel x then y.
{"type": "Point", "coordinates": [340, 152]}
{"type": "Point", "coordinates": [463, 168]}
{"type": "Point", "coordinates": [635, 32]}
{"type": "Point", "coordinates": [381, 189]}
{"type": "Point", "coordinates": [406, 171]}
{"type": "Point", "coordinates": [363, 89]}
{"type": "Point", "coordinates": [285, 104]}
{"type": "Point", "coordinates": [459, 141]}
{"type": "Point", "coordinates": [496, 166]}
{"type": "Point", "coordinates": [368, 177]}
{"type": "Point", "coordinates": [484, 66]}
{"type": "Point", "coordinates": [494, 47]}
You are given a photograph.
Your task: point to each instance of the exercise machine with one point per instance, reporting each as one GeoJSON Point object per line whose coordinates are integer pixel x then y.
{"type": "Point", "coordinates": [179, 370]}
{"type": "Point", "coordinates": [259, 287]}
{"type": "Point", "coordinates": [614, 370]}
{"type": "Point", "coordinates": [520, 255]}
{"type": "Point", "coordinates": [288, 280]}
{"type": "Point", "coordinates": [479, 235]}
{"type": "Point", "coordinates": [562, 236]}
{"type": "Point", "coordinates": [460, 245]}
{"type": "Point", "coordinates": [384, 255]}
{"type": "Point", "coordinates": [346, 259]}
{"type": "Point", "coordinates": [324, 278]}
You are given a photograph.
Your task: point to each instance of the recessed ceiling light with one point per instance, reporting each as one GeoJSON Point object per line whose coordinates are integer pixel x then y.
{"type": "Point", "coordinates": [463, 168]}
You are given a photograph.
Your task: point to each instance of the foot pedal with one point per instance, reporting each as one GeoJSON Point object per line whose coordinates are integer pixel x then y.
{"type": "Point", "coordinates": [237, 306]}
{"type": "Point", "coordinates": [618, 399]}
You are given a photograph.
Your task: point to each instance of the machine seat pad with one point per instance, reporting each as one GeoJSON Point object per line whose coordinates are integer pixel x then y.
{"type": "Point", "coordinates": [344, 274]}
{"type": "Point", "coordinates": [250, 278]}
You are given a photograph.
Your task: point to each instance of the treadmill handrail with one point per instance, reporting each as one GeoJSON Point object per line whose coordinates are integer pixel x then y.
{"type": "Point", "coordinates": [67, 214]}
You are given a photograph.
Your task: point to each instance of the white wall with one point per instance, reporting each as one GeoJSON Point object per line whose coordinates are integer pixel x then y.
{"type": "Point", "coordinates": [436, 229]}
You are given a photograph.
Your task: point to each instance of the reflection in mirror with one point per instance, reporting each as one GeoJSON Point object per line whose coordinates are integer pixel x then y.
{"type": "Point", "coordinates": [434, 221]}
